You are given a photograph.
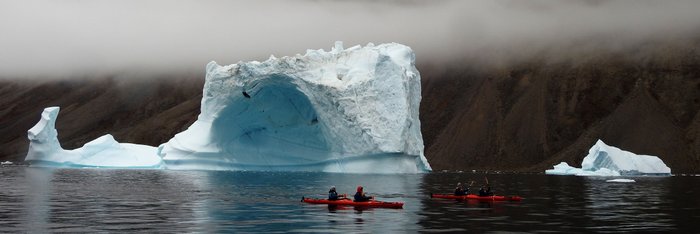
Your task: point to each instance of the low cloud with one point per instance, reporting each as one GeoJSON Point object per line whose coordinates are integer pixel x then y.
{"type": "Point", "coordinates": [83, 38]}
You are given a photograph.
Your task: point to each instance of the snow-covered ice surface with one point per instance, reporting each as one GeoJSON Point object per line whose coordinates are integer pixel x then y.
{"type": "Point", "coordinates": [605, 160]}
{"type": "Point", "coordinates": [45, 150]}
{"type": "Point", "coordinates": [347, 110]}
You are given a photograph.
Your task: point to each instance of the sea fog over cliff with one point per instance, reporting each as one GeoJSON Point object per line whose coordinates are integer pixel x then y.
{"type": "Point", "coordinates": [506, 85]}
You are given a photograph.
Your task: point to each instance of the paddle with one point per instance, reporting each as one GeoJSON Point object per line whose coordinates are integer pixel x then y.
{"type": "Point", "coordinates": [488, 186]}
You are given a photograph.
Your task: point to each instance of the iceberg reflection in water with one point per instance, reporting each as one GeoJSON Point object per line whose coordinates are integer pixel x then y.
{"type": "Point", "coordinates": [97, 200]}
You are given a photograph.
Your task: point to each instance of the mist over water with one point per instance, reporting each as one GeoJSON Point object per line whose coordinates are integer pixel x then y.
{"type": "Point", "coordinates": [69, 38]}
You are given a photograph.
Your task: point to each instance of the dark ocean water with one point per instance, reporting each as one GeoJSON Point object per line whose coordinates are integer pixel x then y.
{"type": "Point", "coordinates": [104, 200]}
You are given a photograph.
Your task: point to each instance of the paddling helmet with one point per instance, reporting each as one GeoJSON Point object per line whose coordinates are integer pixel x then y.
{"type": "Point", "coordinates": [359, 188]}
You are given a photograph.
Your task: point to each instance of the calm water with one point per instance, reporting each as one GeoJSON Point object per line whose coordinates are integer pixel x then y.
{"type": "Point", "coordinates": [99, 200]}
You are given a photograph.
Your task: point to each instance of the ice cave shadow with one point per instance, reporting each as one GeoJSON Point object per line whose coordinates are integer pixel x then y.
{"type": "Point", "coordinates": [270, 123]}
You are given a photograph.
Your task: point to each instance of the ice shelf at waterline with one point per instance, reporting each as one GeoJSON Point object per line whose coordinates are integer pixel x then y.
{"type": "Point", "coordinates": [347, 110]}
{"type": "Point", "coordinates": [45, 150]}
{"type": "Point", "coordinates": [605, 160]}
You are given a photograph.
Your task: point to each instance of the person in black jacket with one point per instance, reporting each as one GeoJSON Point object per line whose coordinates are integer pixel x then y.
{"type": "Point", "coordinates": [360, 195]}
{"type": "Point", "coordinates": [459, 191]}
{"type": "Point", "coordinates": [485, 189]}
{"type": "Point", "coordinates": [332, 194]}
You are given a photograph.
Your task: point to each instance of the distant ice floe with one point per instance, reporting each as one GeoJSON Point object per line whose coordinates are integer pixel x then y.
{"type": "Point", "coordinates": [605, 160]}
{"type": "Point", "coordinates": [621, 181]}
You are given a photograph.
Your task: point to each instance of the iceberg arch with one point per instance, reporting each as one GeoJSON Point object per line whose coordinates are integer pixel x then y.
{"type": "Point", "coordinates": [353, 110]}
{"type": "Point", "coordinates": [261, 127]}
{"type": "Point", "coordinates": [349, 110]}
{"type": "Point", "coordinates": [275, 122]}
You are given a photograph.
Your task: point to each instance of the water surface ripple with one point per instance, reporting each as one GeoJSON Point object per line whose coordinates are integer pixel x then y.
{"type": "Point", "coordinates": [103, 200]}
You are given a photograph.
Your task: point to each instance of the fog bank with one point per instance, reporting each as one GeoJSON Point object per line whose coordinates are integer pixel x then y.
{"type": "Point", "coordinates": [73, 38]}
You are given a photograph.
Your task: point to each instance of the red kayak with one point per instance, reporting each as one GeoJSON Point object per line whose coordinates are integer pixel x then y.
{"type": "Point", "coordinates": [476, 197]}
{"type": "Point", "coordinates": [348, 202]}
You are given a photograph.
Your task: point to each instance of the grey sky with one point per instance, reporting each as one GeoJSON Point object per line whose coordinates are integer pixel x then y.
{"type": "Point", "coordinates": [57, 38]}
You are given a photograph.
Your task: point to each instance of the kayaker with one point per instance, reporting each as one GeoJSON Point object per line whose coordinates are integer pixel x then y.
{"type": "Point", "coordinates": [485, 189]}
{"type": "Point", "coordinates": [459, 191]}
{"type": "Point", "coordinates": [333, 195]}
{"type": "Point", "coordinates": [360, 195]}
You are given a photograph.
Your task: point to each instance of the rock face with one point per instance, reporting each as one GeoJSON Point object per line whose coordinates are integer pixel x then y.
{"type": "Point", "coordinates": [530, 114]}
{"type": "Point", "coordinates": [353, 110]}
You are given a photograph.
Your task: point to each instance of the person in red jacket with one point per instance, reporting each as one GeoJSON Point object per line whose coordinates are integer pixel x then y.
{"type": "Point", "coordinates": [360, 195]}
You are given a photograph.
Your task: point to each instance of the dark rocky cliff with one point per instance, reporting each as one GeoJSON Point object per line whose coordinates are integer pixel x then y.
{"type": "Point", "coordinates": [523, 114]}
{"type": "Point", "coordinates": [530, 114]}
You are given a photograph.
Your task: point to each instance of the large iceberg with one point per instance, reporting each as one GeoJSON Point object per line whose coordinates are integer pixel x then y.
{"type": "Point", "coordinates": [45, 150]}
{"type": "Point", "coordinates": [605, 160]}
{"type": "Point", "coordinates": [346, 110]}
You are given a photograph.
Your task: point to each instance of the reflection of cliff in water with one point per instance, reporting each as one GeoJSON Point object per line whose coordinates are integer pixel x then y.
{"type": "Point", "coordinates": [471, 215]}
{"type": "Point", "coordinates": [625, 207]}
{"type": "Point", "coordinates": [565, 204]}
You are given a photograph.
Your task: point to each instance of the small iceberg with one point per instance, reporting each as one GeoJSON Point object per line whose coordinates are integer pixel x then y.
{"type": "Point", "coordinates": [605, 160]}
{"type": "Point", "coordinates": [6, 163]}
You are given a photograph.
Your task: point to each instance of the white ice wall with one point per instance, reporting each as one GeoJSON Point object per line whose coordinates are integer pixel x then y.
{"type": "Point", "coordinates": [347, 110]}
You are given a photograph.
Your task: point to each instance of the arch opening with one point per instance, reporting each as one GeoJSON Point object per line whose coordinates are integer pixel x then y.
{"type": "Point", "coordinates": [270, 124]}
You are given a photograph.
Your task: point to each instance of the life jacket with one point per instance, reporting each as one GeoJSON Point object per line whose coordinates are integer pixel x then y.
{"type": "Point", "coordinates": [332, 195]}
